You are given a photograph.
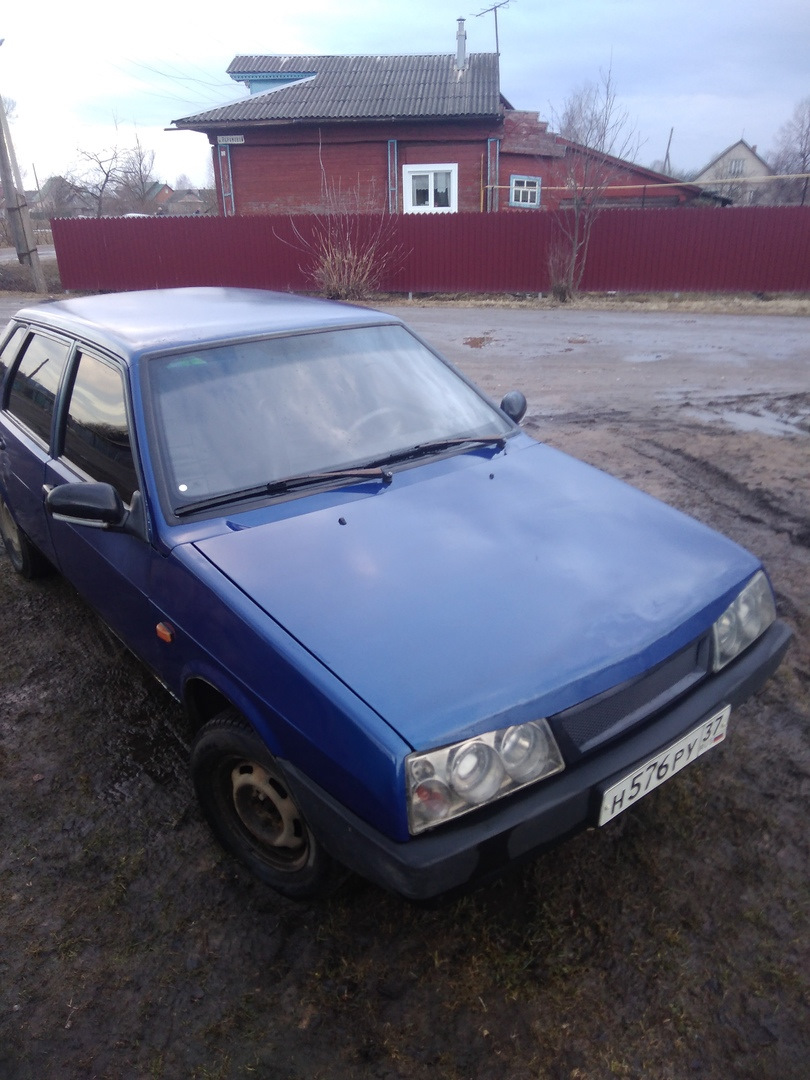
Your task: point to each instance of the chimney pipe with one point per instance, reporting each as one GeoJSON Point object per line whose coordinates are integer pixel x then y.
{"type": "Point", "coordinates": [461, 46]}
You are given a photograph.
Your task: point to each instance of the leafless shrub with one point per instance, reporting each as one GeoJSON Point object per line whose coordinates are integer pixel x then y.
{"type": "Point", "coordinates": [351, 255]}
{"type": "Point", "coordinates": [350, 252]}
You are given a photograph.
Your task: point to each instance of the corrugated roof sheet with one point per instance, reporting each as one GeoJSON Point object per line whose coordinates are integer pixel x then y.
{"type": "Point", "coordinates": [362, 88]}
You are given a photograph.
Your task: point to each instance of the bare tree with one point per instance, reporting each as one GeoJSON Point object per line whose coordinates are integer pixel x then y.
{"type": "Point", "coordinates": [116, 180]}
{"type": "Point", "coordinates": [135, 179]}
{"type": "Point", "coordinates": [99, 176]}
{"type": "Point", "coordinates": [60, 197]}
{"type": "Point", "coordinates": [792, 156]}
{"type": "Point", "coordinates": [600, 136]}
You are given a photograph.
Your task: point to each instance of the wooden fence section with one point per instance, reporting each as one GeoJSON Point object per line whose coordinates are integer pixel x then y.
{"type": "Point", "coordinates": [751, 249]}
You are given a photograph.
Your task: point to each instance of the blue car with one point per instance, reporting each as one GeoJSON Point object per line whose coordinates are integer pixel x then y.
{"type": "Point", "coordinates": [411, 641]}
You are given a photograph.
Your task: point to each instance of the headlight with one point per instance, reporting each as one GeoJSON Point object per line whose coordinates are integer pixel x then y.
{"type": "Point", "coordinates": [451, 781]}
{"type": "Point", "coordinates": [751, 613]}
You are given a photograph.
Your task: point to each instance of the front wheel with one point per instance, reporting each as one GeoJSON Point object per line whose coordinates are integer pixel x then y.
{"type": "Point", "coordinates": [251, 810]}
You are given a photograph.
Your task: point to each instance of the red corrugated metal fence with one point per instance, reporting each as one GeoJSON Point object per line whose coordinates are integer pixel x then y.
{"type": "Point", "coordinates": [753, 249]}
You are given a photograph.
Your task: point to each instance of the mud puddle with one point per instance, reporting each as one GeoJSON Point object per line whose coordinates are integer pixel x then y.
{"type": "Point", "coordinates": [780, 416]}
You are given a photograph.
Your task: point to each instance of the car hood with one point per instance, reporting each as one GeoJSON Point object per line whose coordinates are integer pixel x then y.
{"type": "Point", "coordinates": [485, 588]}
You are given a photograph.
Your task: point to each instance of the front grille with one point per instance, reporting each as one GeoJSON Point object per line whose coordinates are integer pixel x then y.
{"type": "Point", "coordinates": [584, 727]}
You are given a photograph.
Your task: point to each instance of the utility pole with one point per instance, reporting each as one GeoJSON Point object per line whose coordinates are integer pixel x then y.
{"type": "Point", "coordinates": [16, 206]}
{"type": "Point", "coordinates": [667, 164]}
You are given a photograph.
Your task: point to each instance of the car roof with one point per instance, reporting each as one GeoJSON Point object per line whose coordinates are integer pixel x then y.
{"type": "Point", "coordinates": [132, 323]}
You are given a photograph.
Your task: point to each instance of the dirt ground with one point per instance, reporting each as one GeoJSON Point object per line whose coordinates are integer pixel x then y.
{"type": "Point", "coordinates": [673, 943]}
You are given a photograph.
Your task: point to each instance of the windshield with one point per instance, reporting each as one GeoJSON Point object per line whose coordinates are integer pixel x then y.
{"type": "Point", "coordinates": [252, 413]}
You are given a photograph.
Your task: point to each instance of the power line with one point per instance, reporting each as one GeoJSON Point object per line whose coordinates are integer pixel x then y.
{"type": "Point", "coordinates": [213, 90]}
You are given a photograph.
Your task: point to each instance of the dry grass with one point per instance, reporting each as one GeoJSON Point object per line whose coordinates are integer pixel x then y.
{"type": "Point", "coordinates": [349, 269]}
{"type": "Point", "coordinates": [707, 303]}
{"type": "Point", "coordinates": [16, 279]}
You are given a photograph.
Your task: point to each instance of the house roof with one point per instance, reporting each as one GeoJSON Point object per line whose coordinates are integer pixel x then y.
{"type": "Point", "coordinates": [359, 88]}
{"type": "Point", "coordinates": [156, 189]}
{"type": "Point", "coordinates": [743, 145]}
{"type": "Point", "coordinates": [184, 196]}
{"type": "Point", "coordinates": [525, 133]}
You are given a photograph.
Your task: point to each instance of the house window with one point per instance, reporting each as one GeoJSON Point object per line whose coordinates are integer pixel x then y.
{"type": "Point", "coordinates": [524, 191]}
{"type": "Point", "coordinates": [430, 189]}
{"type": "Point", "coordinates": [736, 167]}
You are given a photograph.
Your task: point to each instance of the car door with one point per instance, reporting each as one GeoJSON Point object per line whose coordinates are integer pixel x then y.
{"type": "Point", "coordinates": [111, 568]}
{"type": "Point", "coordinates": [27, 413]}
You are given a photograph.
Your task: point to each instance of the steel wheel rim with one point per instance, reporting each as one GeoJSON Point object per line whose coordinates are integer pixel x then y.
{"type": "Point", "coordinates": [268, 814]}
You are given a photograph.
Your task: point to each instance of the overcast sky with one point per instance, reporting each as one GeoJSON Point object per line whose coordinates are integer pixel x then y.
{"type": "Point", "coordinates": [87, 75]}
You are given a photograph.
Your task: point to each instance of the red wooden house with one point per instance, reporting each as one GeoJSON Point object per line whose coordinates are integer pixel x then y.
{"type": "Point", "coordinates": [406, 134]}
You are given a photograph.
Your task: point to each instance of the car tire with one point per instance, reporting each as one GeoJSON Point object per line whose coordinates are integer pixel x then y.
{"type": "Point", "coordinates": [25, 558]}
{"type": "Point", "coordinates": [251, 810]}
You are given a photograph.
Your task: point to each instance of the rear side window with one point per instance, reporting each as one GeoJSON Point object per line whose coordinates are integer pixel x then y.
{"type": "Point", "coordinates": [97, 438]}
{"type": "Point", "coordinates": [10, 351]}
{"type": "Point", "coordinates": [34, 384]}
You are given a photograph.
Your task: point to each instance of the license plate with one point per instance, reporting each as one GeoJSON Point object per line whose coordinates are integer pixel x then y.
{"type": "Point", "coordinates": [655, 772]}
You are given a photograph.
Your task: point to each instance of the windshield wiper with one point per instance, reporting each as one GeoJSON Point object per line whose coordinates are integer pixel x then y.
{"type": "Point", "coordinates": [436, 446]}
{"type": "Point", "coordinates": [375, 470]}
{"type": "Point", "coordinates": [288, 483]}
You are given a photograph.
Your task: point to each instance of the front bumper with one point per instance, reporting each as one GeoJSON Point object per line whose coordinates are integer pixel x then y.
{"type": "Point", "coordinates": [482, 844]}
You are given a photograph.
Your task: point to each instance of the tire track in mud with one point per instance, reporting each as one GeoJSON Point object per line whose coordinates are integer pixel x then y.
{"type": "Point", "coordinates": [760, 509]}
{"type": "Point", "coordinates": [683, 464]}
{"type": "Point", "coordinates": [756, 506]}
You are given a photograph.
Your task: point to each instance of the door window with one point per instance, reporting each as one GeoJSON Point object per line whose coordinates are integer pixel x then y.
{"type": "Point", "coordinates": [10, 351]}
{"type": "Point", "coordinates": [34, 384]}
{"type": "Point", "coordinates": [97, 439]}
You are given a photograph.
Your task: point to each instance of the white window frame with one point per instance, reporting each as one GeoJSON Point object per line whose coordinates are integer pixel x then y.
{"type": "Point", "coordinates": [408, 173]}
{"type": "Point", "coordinates": [524, 204]}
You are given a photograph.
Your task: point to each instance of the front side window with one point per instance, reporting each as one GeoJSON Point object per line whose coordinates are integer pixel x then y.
{"type": "Point", "coordinates": [35, 383]}
{"type": "Point", "coordinates": [96, 431]}
{"type": "Point", "coordinates": [430, 189]}
{"type": "Point", "coordinates": [524, 191]}
{"type": "Point", "coordinates": [736, 167]}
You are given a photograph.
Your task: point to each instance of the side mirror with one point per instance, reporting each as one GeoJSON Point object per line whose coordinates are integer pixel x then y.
{"type": "Point", "coordinates": [514, 405]}
{"type": "Point", "coordinates": [96, 505]}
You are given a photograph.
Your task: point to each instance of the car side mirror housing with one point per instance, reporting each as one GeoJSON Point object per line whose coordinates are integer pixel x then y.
{"type": "Point", "coordinates": [514, 405]}
{"type": "Point", "coordinates": [96, 505]}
